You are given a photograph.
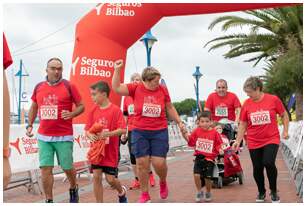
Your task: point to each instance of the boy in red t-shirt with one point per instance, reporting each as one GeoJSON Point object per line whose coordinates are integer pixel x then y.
{"type": "Point", "coordinates": [113, 125]}
{"type": "Point", "coordinates": [206, 142]}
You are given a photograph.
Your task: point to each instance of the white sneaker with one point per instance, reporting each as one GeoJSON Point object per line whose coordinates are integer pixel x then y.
{"type": "Point", "coordinates": [208, 196]}
{"type": "Point", "coordinates": [199, 196]}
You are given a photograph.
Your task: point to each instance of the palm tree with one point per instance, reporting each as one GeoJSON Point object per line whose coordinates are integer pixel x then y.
{"type": "Point", "coordinates": [285, 76]}
{"type": "Point", "coordinates": [275, 36]}
{"type": "Point", "coordinates": [269, 30]}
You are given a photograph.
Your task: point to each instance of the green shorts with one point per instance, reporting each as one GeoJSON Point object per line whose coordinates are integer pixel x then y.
{"type": "Point", "coordinates": [63, 151]}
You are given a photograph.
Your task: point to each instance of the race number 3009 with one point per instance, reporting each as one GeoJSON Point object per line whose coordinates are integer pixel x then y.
{"type": "Point", "coordinates": [221, 112]}
{"type": "Point", "coordinates": [48, 112]}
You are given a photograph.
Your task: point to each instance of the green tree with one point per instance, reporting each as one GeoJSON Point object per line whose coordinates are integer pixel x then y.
{"type": "Point", "coordinates": [285, 77]}
{"type": "Point", "coordinates": [185, 106]}
{"type": "Point", "coordinates": [275, 36]}
{"type": "Point", "coordinates": [268, 33]}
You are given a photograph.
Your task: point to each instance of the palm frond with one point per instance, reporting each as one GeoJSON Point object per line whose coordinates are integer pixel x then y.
{"type": "Point", "coordinates": [219, 20]}
{"type": "Point", "coordinates": [226, 37]}
{"type": "Point", "coordinates": [260, 14]}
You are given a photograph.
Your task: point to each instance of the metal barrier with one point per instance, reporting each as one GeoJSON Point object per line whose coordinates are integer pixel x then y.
{"type": "Point", "coordinates": [292, 150]}
{"type": "Point", "coordinates": [28, 179]}
{"type": "Point", "coordinates": [25, 157]}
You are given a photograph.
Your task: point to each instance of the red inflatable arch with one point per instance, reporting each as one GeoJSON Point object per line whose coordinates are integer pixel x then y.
{"type": "Point", "coordinates": [108, 30]}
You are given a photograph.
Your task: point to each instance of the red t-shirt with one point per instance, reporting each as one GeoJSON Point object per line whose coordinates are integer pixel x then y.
{"type": "Point", "coordinates": [128, 108]}
{"type": "Point", "coordinates": [7, 59]}
{"type": "Point", "coordinates": [111, 118]}
{"type": "Point", "coordinates": [149, 106]}
{"type": "Point", "coordinates": [205, 142]}
{"type": "Point", "coordinates": [261, 120]}
{"type": "Point", "coordinates": [222, 107]}
{"type": "Point", "coordinates": [51, 100]}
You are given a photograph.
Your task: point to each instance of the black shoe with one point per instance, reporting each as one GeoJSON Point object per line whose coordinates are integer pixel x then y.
{"type": "Point", "coordinates": [274, 197]}
{"type": "Point", "coordinates": [49, 201]}
{"type": "Point", "coordinates": [261, 197]}
{"type": "Point", "coordinates": [123, 198]}
{"type": "Point", "coordinates": [74, 195]}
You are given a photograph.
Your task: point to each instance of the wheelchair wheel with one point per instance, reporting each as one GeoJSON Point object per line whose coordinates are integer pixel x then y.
{"type": "Point", "coordinates": [240, 178]}
{"type": "Point", "coordinates": [220, 182]}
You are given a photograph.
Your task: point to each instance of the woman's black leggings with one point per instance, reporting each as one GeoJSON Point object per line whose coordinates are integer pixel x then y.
{"type": "Point", "coordinates": [265, 157]}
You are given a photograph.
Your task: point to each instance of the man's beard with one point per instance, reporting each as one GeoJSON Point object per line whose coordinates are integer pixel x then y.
{"type": "Point", "coordinates": [54, 81]}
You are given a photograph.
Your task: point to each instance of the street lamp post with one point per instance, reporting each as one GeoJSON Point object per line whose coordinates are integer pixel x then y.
{"type": "Point", "coordinates": [20, 75]}
{"type": "Point", "coordinates": [148, 39]}
{"type": "Point", "coordinates": [197, 75]}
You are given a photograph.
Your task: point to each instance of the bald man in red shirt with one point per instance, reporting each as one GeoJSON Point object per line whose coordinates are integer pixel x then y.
{"type": "Point", "coordinates": [222, 103]}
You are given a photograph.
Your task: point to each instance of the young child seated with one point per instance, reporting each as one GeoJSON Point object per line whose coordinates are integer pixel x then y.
{"type": "Point", "coordinates": [206, 142]}
{"type": "Point", "coordinates": [225, 141]}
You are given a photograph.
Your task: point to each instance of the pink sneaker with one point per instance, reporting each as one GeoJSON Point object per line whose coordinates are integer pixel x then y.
{"type": "Point", "coordinates": [152, 180]}
{"type": "Point", "coordinates": [135, 185]}
{"type": "Point", "coordinates": [144, 198]}
{"type": "Point", "coordinates": [163, 190]}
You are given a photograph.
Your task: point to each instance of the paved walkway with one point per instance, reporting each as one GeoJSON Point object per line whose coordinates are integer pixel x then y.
{"type": "Point", "coordinates": [180, 181]}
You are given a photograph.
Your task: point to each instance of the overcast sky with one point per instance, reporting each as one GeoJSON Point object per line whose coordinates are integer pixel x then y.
{"type": "Point", "coordinates": [177, 52]}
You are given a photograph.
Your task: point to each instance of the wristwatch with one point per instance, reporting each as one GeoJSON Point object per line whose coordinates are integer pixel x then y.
{"type": "Point", "coordinates": [7, 152]}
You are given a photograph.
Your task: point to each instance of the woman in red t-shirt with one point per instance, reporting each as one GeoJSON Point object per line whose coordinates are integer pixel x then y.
{"type": "Point", "coordinates": [128, 112]}
{"type": "Point", "coordinates": [150, 141]}
{"type": "Point", "coordinates": [258, 118]}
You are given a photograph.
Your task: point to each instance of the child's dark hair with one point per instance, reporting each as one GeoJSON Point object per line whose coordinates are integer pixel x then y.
{"type": "Point", "coordinates": [102, 87]}
{"type": "Point", "coordinates": [205, 114]}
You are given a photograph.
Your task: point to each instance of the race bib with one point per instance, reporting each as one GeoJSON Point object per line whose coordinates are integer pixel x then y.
{"type": "Point", "coordinates": [260, 118]}
{"type": "Point", "coordinates": [151, 110]}
{"type": "Point", "coordinates": [48, 112]}
{"type": "Point", "coordinates": [204, 145]}
{"type": "Point", "coordinates": [221, 112]}
{"type": "Point", "coordinates": [131, 109]}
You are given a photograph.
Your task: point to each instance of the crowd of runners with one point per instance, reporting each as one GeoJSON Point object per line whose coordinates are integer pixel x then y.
{"type": "Point", "coordinates": [143, 125]}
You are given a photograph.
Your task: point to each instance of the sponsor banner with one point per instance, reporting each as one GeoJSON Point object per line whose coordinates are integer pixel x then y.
{"type": "Point", "coordinates": [24, 149]}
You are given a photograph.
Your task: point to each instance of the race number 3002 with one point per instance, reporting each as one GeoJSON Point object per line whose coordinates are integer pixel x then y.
{"type": "Point", "coordinates": [48, 112]}
{"type": "Point", "coordinates": [260, 118]}
{"type": "Point", "coordinates": [204, 145]}
{"type": "Point", "coordinates": [151, 110]}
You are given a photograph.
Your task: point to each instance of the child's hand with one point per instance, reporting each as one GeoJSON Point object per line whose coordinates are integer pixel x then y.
{"type": "Point", "coordinates": [92, 137]}
{"type": "Point", "coordinates": [123, 138]}
{"type": "Point", "coordinates": [182, 127]}
{"type": "Point", "coordinates": [103, 134]}
{"type": "Point", "coordinates": [185, 135]}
